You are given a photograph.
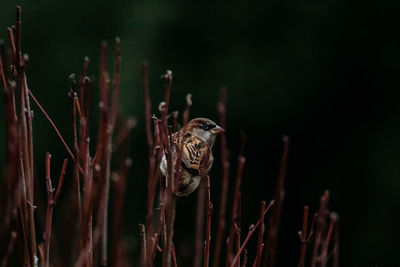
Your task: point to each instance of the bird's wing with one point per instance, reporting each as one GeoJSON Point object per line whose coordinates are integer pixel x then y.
{"type": "Point", "coordinates": [196, 154]}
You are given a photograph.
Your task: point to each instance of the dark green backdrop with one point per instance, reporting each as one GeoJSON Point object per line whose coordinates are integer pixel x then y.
{"type": "Point", "coordinates": [325, 73]}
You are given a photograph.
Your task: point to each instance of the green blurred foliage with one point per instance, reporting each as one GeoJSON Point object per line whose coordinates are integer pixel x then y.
{"type": "Point", "coordinates": [325, 73]}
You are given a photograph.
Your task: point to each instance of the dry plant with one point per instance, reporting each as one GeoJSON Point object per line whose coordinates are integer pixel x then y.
{"type": "Point", "coordinates": [82, 239]}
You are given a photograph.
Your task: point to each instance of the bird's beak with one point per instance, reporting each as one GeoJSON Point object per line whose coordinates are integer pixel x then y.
{"type": "Point", "coordinates": [217, 130]}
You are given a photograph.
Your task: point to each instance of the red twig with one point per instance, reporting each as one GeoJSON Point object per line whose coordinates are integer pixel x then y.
{"type": "Point", "coordinates": [199, 230]}
{"type": "Point", "coordinates": [120, 185]}
{"type": "Point", "coordinates": [143, 246]}
{"type": "Point", "coordinates": [208, 224]}
{"type": "Point", "coordinates": [311, 234]}
{"type": "Point", "coordinates": [257, 261]}
{"type": "Point", "coordinates": [49, 213]}
{"type": "Point", "coordinates": [225, 177]}
{"type": "Point", "coordinates": [303, 238]}
{"type": "Point", "coordinates": [251, 231]}
{"type": "Point", "coordinates": [174, 262]}
{"type": "Point", "coordinates": [335, 251]}
{"type": "Point", "coordinates": [326, 242]}
{"type": "Point", "coordinates": [60, 180]}
{"type": "Point", "coordinates": [82, 82]}
{"type": "Point", "coordinates": [53, 125]}
{"type": "Point", "coordinates": [51, 201]}
{"type": "Point", "coordinates": [244, 261]}
{"type": "Point", "coordinates": [171, 198]}
{"type": "Point", "coordinates": [236, 199]}
{"type": "Point", "coordinates": [272, 237]}
{"type": "Point", "coordinates": [320, 227]}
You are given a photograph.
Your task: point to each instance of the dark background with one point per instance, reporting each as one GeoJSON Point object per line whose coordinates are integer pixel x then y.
{"type": "Point", "coordinates": [324, 73]}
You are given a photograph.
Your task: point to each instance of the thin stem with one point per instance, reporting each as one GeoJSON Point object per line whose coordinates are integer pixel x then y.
{"type": "Point", "coordinates": [257, 261]}
{"type": "Point", "coordinates": [60, 180]}
{"type": "Point", "coordinates": [143, 245]}
{"type": "Point", "coordinates": [52, 124]}
{"type": "Point", "coordinates": [208, 224]}
{"type": "Point", "coordinates": [250, 233]}
{"type": "Point", "coordinates": [272, 237]}
{"type": "Point", "coordinates": [199, 230]}
{"type": "Point", "coordinates": [303, 236]}
{"type": "Point", "coordinates": [225, 179]}
{"type": "Point", "coordinates": [236, 201]}
{"type": "Point", "coordinates": [49, 213]}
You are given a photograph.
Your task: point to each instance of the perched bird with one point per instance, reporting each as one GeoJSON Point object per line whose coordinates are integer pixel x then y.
{"type": "Point", "coordinates": [194, 141]}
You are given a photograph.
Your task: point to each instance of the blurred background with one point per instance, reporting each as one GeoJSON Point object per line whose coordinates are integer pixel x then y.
{"type": "Point", "coordinates": [324, 73]}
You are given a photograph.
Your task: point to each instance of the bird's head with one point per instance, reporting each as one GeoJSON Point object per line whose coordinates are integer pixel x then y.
{"type": "Point", "coordinates": [204, 129]}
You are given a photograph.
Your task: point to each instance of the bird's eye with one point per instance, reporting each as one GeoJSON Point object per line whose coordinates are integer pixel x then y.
{"type": "Point", "coordinates": [205, 127]}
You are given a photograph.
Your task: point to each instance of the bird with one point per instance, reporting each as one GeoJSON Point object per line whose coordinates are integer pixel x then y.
{"type": "Point", "coordinates": [194, 141]}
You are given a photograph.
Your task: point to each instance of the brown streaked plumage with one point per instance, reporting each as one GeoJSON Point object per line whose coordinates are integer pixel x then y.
{"type": "Point", "coordinates": [195, 141]}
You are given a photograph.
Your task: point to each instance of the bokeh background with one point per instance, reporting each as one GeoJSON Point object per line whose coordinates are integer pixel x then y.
{"type": "Point", "coordinates": [324, 73]}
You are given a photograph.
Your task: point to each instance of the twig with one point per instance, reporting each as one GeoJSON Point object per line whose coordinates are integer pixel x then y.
{"type": "Point", "coordinates": [311, 234]}
{"type": "Point", "coordinates": [320, 228]}
{"type": "Point", "coordinates": [244, 262]}
{"type": "Point", "coordinates": [60, 180]}
{"type": "Point", "coordinates": [51, 201]}
{"type": "Point", "coordinates": [257, 261]}
{"type": "Point", "coordinates": [199, 230]}
{"type": "Point", "coordinates": [49, 213]}
{"type": "Point", "coordinates": [335, 251]}
{"type": "Point", "coordinates": [82, 82]}
{"type": "Point", "coordinates": [143, 246]}
{"type": "Point", "coordinates": [272, 237]}
{"type": "Point", "coordinates": [76, 178]}
{"type": "Point", "coordinates": [325, 244]}
{"type": "Point", "coordinates": [251, 231]}
{"type": "Point", "coordinates": [225, 176]}
{"type": "Point", "coordinates": [174, 262]}
{"type": "Point", "coordinates": [208, 224]}
{"type": "Point", "coordinates": [303, 236]}
{"type": "Point", "coordinates": [120, 185]}
{"type": "Point", "coordinates": [171, 198]}
{"type": "Point", "coordinates": [236, 199]}
{"type": "Point", "coordinates": [53, 125]}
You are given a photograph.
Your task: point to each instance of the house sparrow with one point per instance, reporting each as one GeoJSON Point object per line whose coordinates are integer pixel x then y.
{"type": "Point", "coordinates": [195, 141]}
